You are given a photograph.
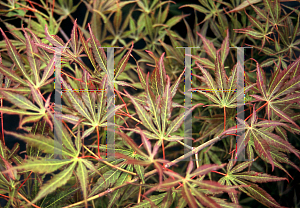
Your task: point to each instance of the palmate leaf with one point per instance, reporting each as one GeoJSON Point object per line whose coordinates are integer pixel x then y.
{"type": "Point", "coordinates": [34, 61]}
{"type": "Point", "coordinates": [283, 83]}
{"type": "Point", "coordinates": [27, 107]}
{"type": "Point", "coordinates": [15, 56]}
{"type": "Point", "coordinates": [89, 105]}
{"type": "Point", "coordinates": [222, 90]}
{"type": "Point", "coordinates": [234, 177]}
{"type": "Point", "coordinates": [70, 55]}
{"type": "Point", "coordinates": [69, 162]}
{"type": "Point", "coordinates": [159, 104]}
{"type": "Point", "coordinates": [193, 195]}
{"type": "Point", "coordinates": [118, 27]}
{"type": "Point", "coordinates": [265, 142]}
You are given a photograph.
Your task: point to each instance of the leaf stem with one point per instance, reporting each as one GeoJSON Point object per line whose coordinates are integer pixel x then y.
{"type": "Point", "coordinates": [194, 151]}
{"type": "Point", "coordinates": [23, 197]}
{"type": "Point", "coordinates": [218, 172]}
{"type": "Point", "coordinates": [25, 180]}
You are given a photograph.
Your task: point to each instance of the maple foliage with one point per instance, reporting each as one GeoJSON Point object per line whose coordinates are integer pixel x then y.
{"type": "Point", "coordinates": [153, 165]}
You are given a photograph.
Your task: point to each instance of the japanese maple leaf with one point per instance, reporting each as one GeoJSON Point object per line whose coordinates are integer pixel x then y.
{"type": "Point", "coordinates": [281, 90]}
{"type": "Point", "coordinates": [235, 177]}
{"type": "Point", "coordinates": [268, 145]}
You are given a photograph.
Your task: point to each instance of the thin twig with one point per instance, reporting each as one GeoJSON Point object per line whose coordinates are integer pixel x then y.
{"type": "Point", "coordinates": [23, 197]}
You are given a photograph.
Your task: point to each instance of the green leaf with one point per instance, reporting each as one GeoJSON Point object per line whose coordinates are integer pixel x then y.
{"type": "Point", "coordinates": [8, 110]}
{"type": "Point", "coordinates": [15, 56]}
{"type": "Point", "coordinates": [45, 144]}
{"type": "Point", "coordinates": [224, 48]}
{"type": "Point", "coordinates": [57, 181]}
{"type": "Point", "coordinates": [37, 97]}
{"type": "Point", "coordinates": [259, 177]}
{"type": "Point", "coordinates": [240, 167]}
{"type": "Point", "coordinates": [174, 20]}
{"type": "Point", "coordinates": [143, 114]}
{"type": "Point", "coordinates": [187, 195]}
{"type": "Point", "coordinates": [166, 105]}
{"type": "Point", "coordinates": [122, 64]}
{"type": "Point", "coordinates": [66, 139]}
{"type": "Point", "coordinates": [34, 63]}
{"type": "Point", "coordinates": [140, 171]}
{"type": "Point", "coordinates": [109, 178]}
{"type": "Point", "coordinates": [29, 119]}
{"type": "Point", "coordinates": [76, 101]}
{"type": "Point", "coordinates": [196, 7]}
{"type": "Point", "coordinates": [11, 75]}
{"type": "Point", "coordinates": [245, 4]}
{"type": "Point", "coordinates": [176, 123]}
{"type": "Point", "coordinates": [148, 203]}
{"type": "Point", "coordinates": [20, 101]}
{"type": "Point", "coordinates": [43, 165]}
{"type": "Point", "coordinates": [82, 175]}
{"type": "Point", "coordinates": [121, 180]}
{"type": "Point", "coordinates": [209, 47]}
{"type": "Point", "coordinates": [48, 71]}
{"type": "Point", "coordinates": [98, 52]}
